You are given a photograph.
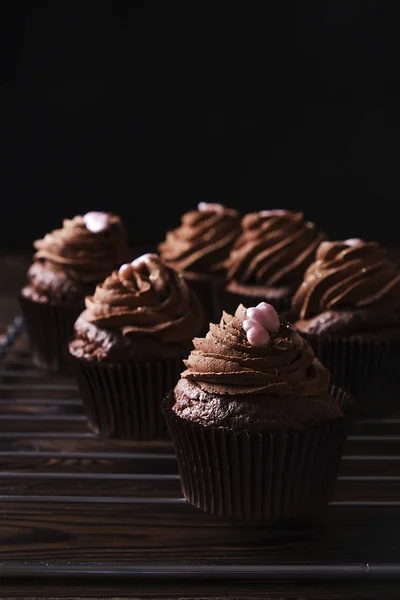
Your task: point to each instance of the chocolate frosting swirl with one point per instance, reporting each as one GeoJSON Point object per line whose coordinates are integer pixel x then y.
{"type": "Point", "coordinates": [203, 240]}
{"type": "Point", "coordinates": [144, 299]}
{"type": "Point", "coordinates": [352, 275]}
{"type": "Point", "coordinates": [274, 248]}
{"type": "Point", "coordinates": [85, 256]}
{"type": "Point", "coordinates": [224, 362]}
{"type": "Point", "coordinates": [230, 383]}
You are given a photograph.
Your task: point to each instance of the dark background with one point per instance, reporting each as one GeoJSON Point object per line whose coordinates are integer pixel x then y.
{"type": "Point", "coordinates": [147, 111]}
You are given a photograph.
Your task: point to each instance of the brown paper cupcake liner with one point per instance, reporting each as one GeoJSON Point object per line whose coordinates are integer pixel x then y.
{"type": "Point", "coordinates": [365, 366]}
{"type": "Point", "coordinates": [229, 300]}
{"type": "Point", "coordinates": [259, 476]}
{"type": "Point", "coordinates": [123, 400]}
{"type": "Point", "coordinates": [49, 330]}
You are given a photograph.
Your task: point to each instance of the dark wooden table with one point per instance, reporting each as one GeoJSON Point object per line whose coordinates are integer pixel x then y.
{"type": "Point", "coordinates": [83, 517]}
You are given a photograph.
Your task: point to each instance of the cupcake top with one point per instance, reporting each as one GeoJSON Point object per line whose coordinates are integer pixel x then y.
{"type": "Point", "coordinates": [77, 256]}
{"type": "Point", "coordinates": [352, 287]}
{"type": "Point", "coordinates": [274, 248]}
{"type": "Point", "coordinates": [254, 371]}
{"type": "Point", "coordinates": [203, 240]}
{"type": "Point", "coordinates": [145, 309]}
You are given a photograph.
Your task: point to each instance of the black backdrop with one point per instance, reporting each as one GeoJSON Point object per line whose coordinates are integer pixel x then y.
{"type": "Point", "coordinates": [147, 111]}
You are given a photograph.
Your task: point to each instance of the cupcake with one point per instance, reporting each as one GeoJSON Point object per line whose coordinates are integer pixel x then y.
{"type": "Point", "coordinates": [128, 345]}
{"type": "Point", "coordinates": [257, 430]}
{"type": "Point", "coordinates": [269, 258]}
{"type": "Point", "coordinates": [67, 266]}
{"type": "Point", "coordinates": [198, 249]}
{"type": "Point", "coordinates": [348, 307]}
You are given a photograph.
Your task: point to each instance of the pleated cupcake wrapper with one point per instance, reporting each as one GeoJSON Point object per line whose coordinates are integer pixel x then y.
{"type": "Point", "coordinates": [259, 476]}
{"type": "Point", "coordinates": [123, 401]}
{"type": "Point", "coordinates": [229, 301]}
{"type": "Point", "coordinates": [367, 368]}
{"type": "Point", "coordinates": [49, 329]}
{"type": "Point", "coordinates": [207, 292]}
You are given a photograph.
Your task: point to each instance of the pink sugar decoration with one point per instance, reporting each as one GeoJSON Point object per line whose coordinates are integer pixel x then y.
{"type": "Point", "coordinates": [261, 321]}
{"type": "Point", "coordinates": [203, 206]}
{"type": "Point", "coordinates": [258, 336]}
{"type": "Point", "coordinates": [353, 241]}
{"type": "Point", "coordinates": [125, 270]}
{"type": "Point", "coordinates": [278, 212]}
{"type": "Point", "coordinates": [96, 221]}
{"type": "Point", "coordinates": [140, 260]}
{"type": "Point", "coordinates": [248, 324]}
{"type": "Point", "coordinates": [266, 315]}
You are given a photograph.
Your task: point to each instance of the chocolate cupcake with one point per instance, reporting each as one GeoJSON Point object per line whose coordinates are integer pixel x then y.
{"type": "Point", "coordinates": [257, 430]}
{"type": "Point", "coordinates": [67, 266]}
{"type": "Point", "coordinates": [128, 346]}
{"type": "Point", "coordinates": [198, 249]}
{"type": "Point", "coordinates": [269, 258]}
{"type": "Point", "coordinates": [348, 307]}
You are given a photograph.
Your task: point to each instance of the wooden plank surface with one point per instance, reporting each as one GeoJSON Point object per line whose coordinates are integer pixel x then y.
{"type": "Point", "coordinates": [71, 503]}
{"type": "Point", "coordinates": [105, 518]}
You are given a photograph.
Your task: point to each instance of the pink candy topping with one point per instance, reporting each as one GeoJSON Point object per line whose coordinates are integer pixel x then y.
{"type": "Point", "coordinates": [127, 269]}
{"type": "Point", "coordinates": [255, 333]}
{"type": "Point", "coordinates": [261, 321]}
{"type": "Point", "coordinates": [154, 268]}
{"type": "Point", "coordinates": [96, 221]}
{"type": "Point", "coordinates": [203, 206]}
{"type": "Point", "coordinates": [141, 260]}
{"type": "Point", "coordinates": [353, 242]}
{"type": "Point", "coordinates": [273, 213]}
